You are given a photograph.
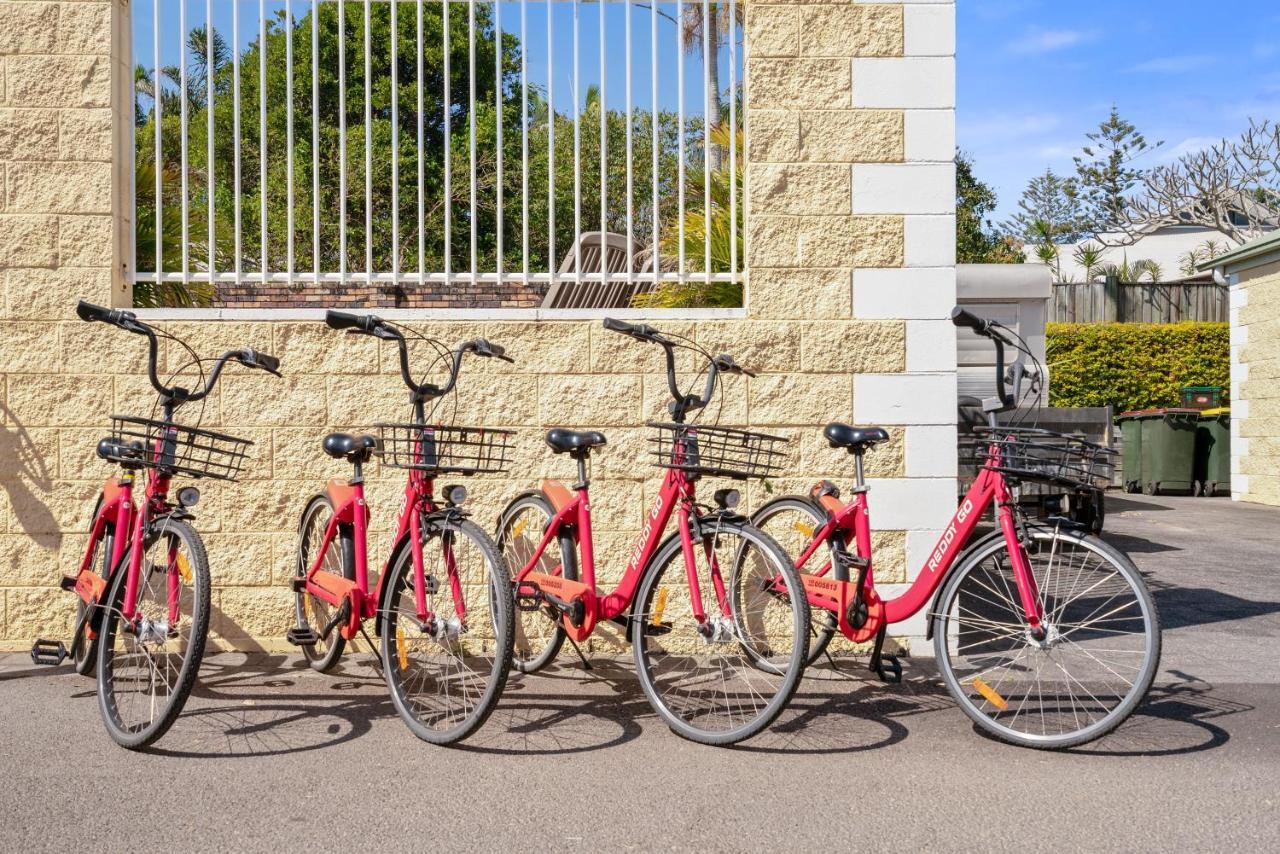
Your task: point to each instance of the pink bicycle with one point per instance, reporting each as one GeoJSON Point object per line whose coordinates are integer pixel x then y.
{"type": "Point", "coordinates": [142, 613]}
{"type": "Point", "coordinates": [1045, 635]}
{"type": "Point", "coordinates": [441, 605]}
{"type": "Point", "coordinates": [715, 612]}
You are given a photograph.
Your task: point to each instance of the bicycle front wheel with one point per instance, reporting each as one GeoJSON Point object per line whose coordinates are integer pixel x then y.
{"type": "Point", "coordinates": [148, 664]}
{"type": "Point", "coordinates": [725, 678]}
{"type": "Point", "coordinates": [1090, 668]}
{"type": "Point", "coordinates": [446, 673]}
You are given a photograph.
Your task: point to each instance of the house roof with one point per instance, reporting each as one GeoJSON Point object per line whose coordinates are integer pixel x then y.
{"type": "Point", "coordinates": [1252, 251]}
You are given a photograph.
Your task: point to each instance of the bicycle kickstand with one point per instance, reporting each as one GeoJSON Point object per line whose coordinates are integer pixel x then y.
{"type": "Point", "coordinates": [887, 667]}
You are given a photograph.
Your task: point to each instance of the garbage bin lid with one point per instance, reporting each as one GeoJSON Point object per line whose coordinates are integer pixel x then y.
{"type": "Point", "coordinates": [1216, 411]}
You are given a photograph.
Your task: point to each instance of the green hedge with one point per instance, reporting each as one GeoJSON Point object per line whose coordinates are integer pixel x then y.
{"type": "Point", "coordinates": [1134, 365]}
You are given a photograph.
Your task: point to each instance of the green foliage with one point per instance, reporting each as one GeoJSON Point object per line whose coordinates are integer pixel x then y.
{"type": "Point", "coordinates": [498, 92]}
{"type": "Point", "coordinates": [976, 240]}
{"type": "Point", "coordinates": [1104, 171]}
{"type": "Point", "coordinates": [1134, 365]}
{"type": "Point", "coordinates": [723, 235]}
{"type": "Point", "coordinates": [1052, 209]}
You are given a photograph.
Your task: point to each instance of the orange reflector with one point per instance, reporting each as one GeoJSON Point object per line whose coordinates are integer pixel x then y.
{"type": "Point", "coordinates": [804, 528]}
{"type": "Point", "coordinates": [184, 567]}
{"type": "Point", "coordinates": [518, 527]}
{"type": "Point", "coordinates": [990, 694]}
{"type": "Point", "coordinates": [659, 605]}
{"type": "Point", "coordinates": [401, 653]}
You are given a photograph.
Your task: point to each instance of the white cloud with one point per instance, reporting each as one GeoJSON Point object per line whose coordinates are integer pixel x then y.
{"type": "Point", "coordinates": [1173, 64]}
{"type": "Point", "coordinates": [1048, 41]}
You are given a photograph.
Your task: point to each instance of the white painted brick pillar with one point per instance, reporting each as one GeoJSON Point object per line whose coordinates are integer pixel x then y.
{"type": "Point", "coordinates": [923, 291]}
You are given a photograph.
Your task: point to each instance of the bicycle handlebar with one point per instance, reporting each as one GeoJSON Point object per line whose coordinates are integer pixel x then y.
{"type": "Point", "coordinates": [681, 404]}
{"type": "Point", "coordinates": [128, 321]}
{"type": "Point", "coordinates": [368, 324]}
{"type": "Point", "coordinates": [990, 329]}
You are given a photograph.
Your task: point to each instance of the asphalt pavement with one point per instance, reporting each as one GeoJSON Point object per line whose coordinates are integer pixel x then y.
{"type": "Point", "coordinates": [269, 756]}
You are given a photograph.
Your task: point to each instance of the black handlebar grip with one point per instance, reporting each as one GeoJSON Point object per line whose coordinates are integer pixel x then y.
{"type": "Point", "coordinates": [90, 312]}
{"type": "Point", "coordinates": [342, 320]}
{"type": "Point", "coordinates": [960, 317]}
{"type": "Point", "coordinates": [619, 326]}
{"type": "Point", "coordinates": [268, 363]}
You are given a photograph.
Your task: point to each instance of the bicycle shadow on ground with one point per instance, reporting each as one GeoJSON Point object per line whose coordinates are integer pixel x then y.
{"type": "Point", "coordinates": [251, 706]}
{"type": "Point", "coordinates": [565, 709]}
{"type": "Point", "coordinates": [844, 709]}
{"type": "Point", "coordinates": [267, 705]}
{"type": "Point", "coordinates": [1175, 719]}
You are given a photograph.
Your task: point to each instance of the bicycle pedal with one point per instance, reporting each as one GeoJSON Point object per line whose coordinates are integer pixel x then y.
{"type": "Point", "coordinates": [68, 583]}
{"type": "Point", "coordinates": [49, 653]}
{"type": "Point", "coordinates": [529, 603]}
{"type": "Point", "coordinates": [889, 669]}
{"type": "Point", "coordinates": [302, 637]}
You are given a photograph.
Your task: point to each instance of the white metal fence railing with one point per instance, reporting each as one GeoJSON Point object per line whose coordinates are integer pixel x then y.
{"type": "Point", "coordinates": [493, 151]}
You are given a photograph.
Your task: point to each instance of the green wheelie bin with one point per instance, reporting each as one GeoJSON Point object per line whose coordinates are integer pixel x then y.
{"type": "Point", "coordinates": [1131, 462]}
{"type": "Point", "coordinates": [1169, 450]}
{"type": "Point", "coordinates": [1213, 451]}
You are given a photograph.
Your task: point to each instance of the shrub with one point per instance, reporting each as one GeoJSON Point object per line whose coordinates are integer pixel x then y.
{"type": "Point", "coordinates": [1134, 365]}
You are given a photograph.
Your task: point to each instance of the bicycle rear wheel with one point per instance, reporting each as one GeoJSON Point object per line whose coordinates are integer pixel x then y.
{"type": "Point", "coordinates": [792, 521]}
{"type": "Point", "coordinates": [85, 648]}
{"type": "Point", "coordinates": [725, 679]}
{"type": "Point", "coordinates": [538, 634]}
{"type": "Point", "coordinates": [147, 665]}
{"type": "Point", "coordinates": [1097, 658]}
{"type": "Point", "coordinates": [447, 675]}
{"type": "Point", "coordinates": [310, 611]}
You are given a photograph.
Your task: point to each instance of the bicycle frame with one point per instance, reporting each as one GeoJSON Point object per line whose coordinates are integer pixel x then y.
{"type": "Point", "coordinates": [130, 525]}
{"type": "Point", "coordinates": [676, 497]}
{"type": "Point", "coordinates": [350, 509]}
{"type": "Point", "coordinates": [850, 524]}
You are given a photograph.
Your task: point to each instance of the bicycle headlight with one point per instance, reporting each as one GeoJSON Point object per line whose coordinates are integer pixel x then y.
{"type": "Point", "coordinates": [188, 496]}
{"type": "Point", "coordinates": [455, 495]}
{"type": "Point", "coordinates": [727, 499]}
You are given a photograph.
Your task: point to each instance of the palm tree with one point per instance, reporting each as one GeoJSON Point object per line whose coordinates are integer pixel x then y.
{"type": "Point", "coordinates": [716, 26]}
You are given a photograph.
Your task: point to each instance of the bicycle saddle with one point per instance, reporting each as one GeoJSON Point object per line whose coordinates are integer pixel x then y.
{"type": "Point", "coordinates": [856, 439]}
{"type": "Point", "coordinates": [118, 451]}
{"type": "Point", "coordinates": [574, 441]}
{"type": "Point", "coordinates": [354, 448]}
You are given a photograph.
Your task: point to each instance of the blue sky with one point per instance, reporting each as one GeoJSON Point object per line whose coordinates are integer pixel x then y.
{"type": "Point", "coordinates": [1035, 75]}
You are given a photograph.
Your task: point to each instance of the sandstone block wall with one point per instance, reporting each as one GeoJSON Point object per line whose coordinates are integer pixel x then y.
{"type": "Point", "coordinates": [1255, 386]}
{"type": "Point", "coordinates": [850, 130]}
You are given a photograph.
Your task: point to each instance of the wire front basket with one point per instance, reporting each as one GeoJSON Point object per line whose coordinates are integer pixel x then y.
{"type": "Point", "coordinates": [439, 449]}
{"type": "Point", "coordinates": [1043, 456]}
{"type": "Point", "coordinates": [717, 451]}
{"type": "Point", "coordinates": [176, 449]}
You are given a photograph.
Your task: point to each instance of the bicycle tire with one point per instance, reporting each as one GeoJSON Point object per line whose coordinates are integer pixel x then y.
{"type": "Point", "coordinates": [687, 716]}
{"type": "Point", "coordinates": [823, 624]}
{"type": "Point", "coordinates": [124, 732]}
{"type": "Point", "coordinates": [538, 637]}
{"type": "Point", "coordinates": [986, 712]}
{"type": "Point", "coordinates": [422, 711]}
{"type": "Point", "coordinates": [324, 655]}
